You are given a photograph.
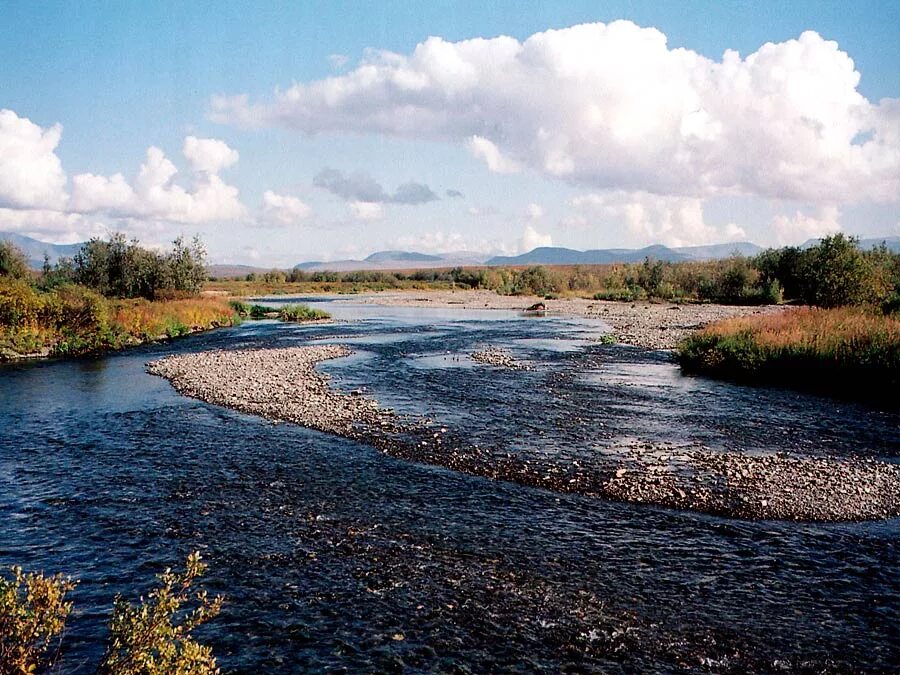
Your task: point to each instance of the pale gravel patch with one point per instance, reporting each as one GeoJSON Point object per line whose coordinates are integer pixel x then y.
{"type": "Point", "coordinates": [283, 384]}
{"type": "Point", "coordinates": [650, 325]}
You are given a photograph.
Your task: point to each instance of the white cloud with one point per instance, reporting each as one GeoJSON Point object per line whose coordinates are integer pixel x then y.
{"type": "Point", "coordinates": [51, 226]}
{"type": "Point", "coordinates": [284, 209]}
{"type": "Point", "coordinates": [366, 210]}
{"type": "Point", "coordinates": [31, 175]}
{"type": "Point", "coordinates": [799, 227]}
{"type": "Point", "coordinates": [209, 154]}
{"type": "Point", "coordinates": [532, 239]}
{"type": "Point", "coordinates": [651, 219]}
{"type": "Point", "coordinates": [155, 195]}
{"type": "Point", "coordinates": [534, 211]}
{"type": "Point", "coordinates": [485, 150]}
{"type": "Point", "coordinates": [613, 107]}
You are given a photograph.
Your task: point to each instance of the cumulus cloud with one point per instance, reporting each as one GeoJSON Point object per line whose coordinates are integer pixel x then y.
{"type": "Point", "coordinates": [486, 150]}
{"type": "Point", "coordinates": [155, 195]}
{"type": "Point", "coordinates": [454, 194]}
{"type": "Point", "coordinates": [532, 239]}
{"type": "Point", "coordinates": [359, 186]}
{"type": "Point", "coordinates": [366, 210]}
{"type": "Point", "coordinates": [52, 226]}
{"type": "Point", "coordinates": [650, 219]}
{"type": "Point", "coordinates": [208, 154]}
{"type": "Point", "coordinates": [283, 209]}
{"type": "Point", "coordinates": [626, 112]}
{"type": "Point", "coordinates": [31, 175]}
{"type": "Point", "coordinates": [799, 227]}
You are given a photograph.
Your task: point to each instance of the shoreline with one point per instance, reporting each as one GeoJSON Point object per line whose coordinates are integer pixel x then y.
{"type": "Point", "coordinates": [650, 325]}
{"type": "Point", "coordinates": [284, 385]}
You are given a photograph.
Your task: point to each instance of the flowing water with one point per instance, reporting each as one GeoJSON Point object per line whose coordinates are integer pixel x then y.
{"type": "Point", "coordinates": [335, 557]}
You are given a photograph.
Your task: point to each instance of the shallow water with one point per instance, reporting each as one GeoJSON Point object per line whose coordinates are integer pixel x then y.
{"type": "Point", "coordinates": [330, 552]}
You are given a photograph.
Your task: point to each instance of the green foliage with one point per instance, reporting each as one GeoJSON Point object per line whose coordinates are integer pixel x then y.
{"type": "Point", "coordinates": [836, 273]}
{"type": "Point", "coordinates": [33, 612]}
{"type": "Point", "coordinates": [155, 637]}
{"type": "Point", "coordinates": [301, 313]}
{"type": "Point", "coordinates": [13, 262]}
{"type": "Point", "coordinates": [123, 269]}
{"type": "Point", "coordinates": [833, 273]}
{"type": "Point", "coordinates": [240, 308]}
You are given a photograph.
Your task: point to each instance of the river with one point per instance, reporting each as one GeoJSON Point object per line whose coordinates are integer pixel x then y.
{"type": "Point", "coordinates": [333, 556]}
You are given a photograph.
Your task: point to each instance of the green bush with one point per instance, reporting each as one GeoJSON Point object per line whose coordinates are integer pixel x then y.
{"type": "Point", "coordinates": [301, 313]}
{"type": "Point", "coordinates": [13, 262]}
{"type": "Point", "coordinates": [123, 269]}
{"type": "Point", "coordinates": [155, 636]}
{"type": "Point", "coordinates": [33, 613]}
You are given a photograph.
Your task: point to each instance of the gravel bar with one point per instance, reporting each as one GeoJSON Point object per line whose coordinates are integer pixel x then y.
{"type": "Point", "coordinates": [283, 384]}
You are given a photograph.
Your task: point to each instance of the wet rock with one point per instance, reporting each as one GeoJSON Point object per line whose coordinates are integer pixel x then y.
{"type": "Point", "coordinates": [499, 358]}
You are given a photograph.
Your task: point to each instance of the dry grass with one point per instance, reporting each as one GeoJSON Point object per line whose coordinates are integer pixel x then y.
{"type": "Point", "coordinates": [143, 318]}
{"type": "Point", "coordinates": [851, 351]}
{"type": "Point", "coordinates": [819, 331]}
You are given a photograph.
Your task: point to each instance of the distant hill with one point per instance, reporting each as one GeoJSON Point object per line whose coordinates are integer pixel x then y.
{"type": "Point", "coordinates": [395, 260]}
{"type": "Point", "coordinates": [717, 251]}
{"type": "Point", "coordinates": [226, 271]}
{"type": "Point", "coordinates": [401, 257]}
{"type": "Point", "coordinates": [545, 255]}
{"type": "Point", "coordinates": [553, 255]}
{"type": "Point", "coordinates": [34, 250]}
{"type": "Point", "coordinates": [893, 243]}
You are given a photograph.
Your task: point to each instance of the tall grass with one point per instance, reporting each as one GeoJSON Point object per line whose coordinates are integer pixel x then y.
{"type": "Point", "coordinates": [301, 313]}
{"type": "Point", "coordinates": [72, 319]}
{"type": "Point", "coordinates": [851, 350]}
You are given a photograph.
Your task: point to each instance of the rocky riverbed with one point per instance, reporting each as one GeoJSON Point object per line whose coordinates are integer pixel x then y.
{"type": "Point", "coordinates": [283, 384]}
{"type": "Point", "coordinates": [499, 358]}
{"type": "Point", "coordinates": [652, 325]}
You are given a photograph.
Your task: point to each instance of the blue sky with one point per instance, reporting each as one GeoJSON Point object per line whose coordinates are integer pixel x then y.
{"type": "Point", "coordinates": [122, 77]}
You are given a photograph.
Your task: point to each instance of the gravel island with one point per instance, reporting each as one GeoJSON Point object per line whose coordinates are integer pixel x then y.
{"type": "Point", "coordinates": [283, 384]}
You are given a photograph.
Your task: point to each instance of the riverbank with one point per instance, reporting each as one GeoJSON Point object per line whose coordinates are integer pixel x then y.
{"type": "Point", "coordinates": [73, 320]}
{"type": "Point", "coordinates": [650, 325]}
{"type": "Point", "coordinates": [283, 384]}
{"type": "Point", "coordinates": [850, 352]}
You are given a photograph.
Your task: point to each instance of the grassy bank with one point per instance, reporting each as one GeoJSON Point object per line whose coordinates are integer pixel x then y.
{"type": "Point", "coordinates": [72, 319]}
{"type": "Point", "coordinates": [848, 351]}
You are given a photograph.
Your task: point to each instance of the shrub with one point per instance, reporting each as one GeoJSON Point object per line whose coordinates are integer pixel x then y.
{"type": "Point", "coordinates": [33, 612]}
{"type": "Point", "coordinates": [154, 637]}
{"type": "Point", "coordinates": [13, 262]}
{"type": "Point", "coordinates": [240, 308]}
{"type": "Point", "coordinates": [122, 269]}
{"type": "Point", "coordinates": [836, 273]}
{"type": "Point", "coordinates": [301, 313]}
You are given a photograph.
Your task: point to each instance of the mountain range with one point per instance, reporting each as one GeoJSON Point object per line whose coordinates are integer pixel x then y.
{"type": "Point", "coordinates": [34, 250]}
{"type": "Point", "coordinates": [396, 260]}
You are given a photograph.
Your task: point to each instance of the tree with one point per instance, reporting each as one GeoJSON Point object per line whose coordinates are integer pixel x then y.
{"type": "Point", "coordinates": [187, 265]}
{"type": "Point", "coordinates": [13, 262]}
{"type": "Point", "coordinates": [836, 272]}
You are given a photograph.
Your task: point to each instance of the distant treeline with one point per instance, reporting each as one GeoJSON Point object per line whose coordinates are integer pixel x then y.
{"type": "Point", "coordinates": [835, 272]}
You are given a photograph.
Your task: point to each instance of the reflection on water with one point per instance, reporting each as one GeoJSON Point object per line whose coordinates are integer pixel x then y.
{"type": "Point", "coordinates": [327, 549]}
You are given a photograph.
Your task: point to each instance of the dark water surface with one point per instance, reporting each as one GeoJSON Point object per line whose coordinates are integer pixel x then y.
{"type": "Point", "coordinates": [333, 556]}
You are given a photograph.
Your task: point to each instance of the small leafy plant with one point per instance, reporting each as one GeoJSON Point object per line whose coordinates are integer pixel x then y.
{"type": "Point", "coordinates": [154, 637]}
{"type": "Point", "coordinates": [33, 612]}
{"type": "Point", "coordinates": [301, 313]}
